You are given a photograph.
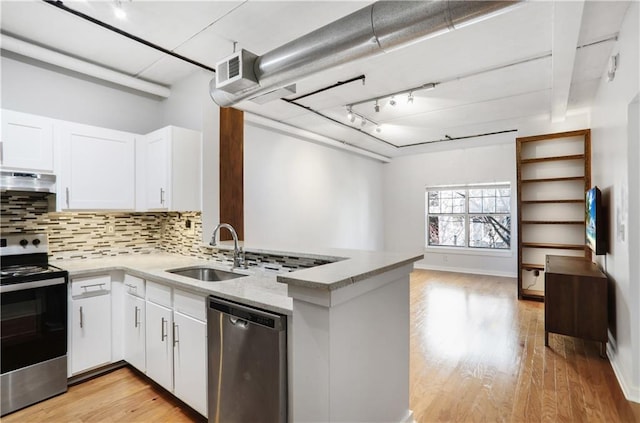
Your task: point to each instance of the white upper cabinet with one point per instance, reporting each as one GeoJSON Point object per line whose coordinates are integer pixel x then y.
{"type": "Point", "coordinates": [168, 167]}
{"type": "Point", "coordinates": [27, 142]}
{"type": "Point", "coordinates": [97, 168]}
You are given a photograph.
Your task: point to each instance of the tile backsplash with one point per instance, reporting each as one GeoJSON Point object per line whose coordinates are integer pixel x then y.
{"type": "Point", "coordinates": [81, 235]}
{"type": "Point", "coordinates": [87, 235]}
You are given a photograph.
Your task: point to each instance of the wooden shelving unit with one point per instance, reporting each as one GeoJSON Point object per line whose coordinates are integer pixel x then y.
{"type": "Point", "coordinates": [553, 174]}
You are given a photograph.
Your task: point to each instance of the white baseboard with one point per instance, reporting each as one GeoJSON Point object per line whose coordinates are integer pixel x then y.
{"type": "Point", "coordinates": [487, 272]}
{"type": "Point", "coordinates": [631, 393]}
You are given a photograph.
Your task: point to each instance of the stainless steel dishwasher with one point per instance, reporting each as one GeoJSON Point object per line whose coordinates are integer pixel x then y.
{"type": "Point", "coordinates": [247, 363]}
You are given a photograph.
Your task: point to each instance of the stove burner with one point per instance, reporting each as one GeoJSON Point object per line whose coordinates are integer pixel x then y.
{"type": "Point", "coordinates": [23, 270]}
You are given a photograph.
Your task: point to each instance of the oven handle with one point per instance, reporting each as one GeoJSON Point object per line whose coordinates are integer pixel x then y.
{"type": "Point", "coordinates": [31, 285]}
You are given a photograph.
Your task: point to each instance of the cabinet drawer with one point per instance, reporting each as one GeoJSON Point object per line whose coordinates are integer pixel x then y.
{"type": "Point", "coordinates": [192, 305]}
{"type": "Point", "coordinates": [134, 285]}
{"type": "Point", "coordinates": [158, 293]}
{"type": "Point", "coordinates": [90, 285]}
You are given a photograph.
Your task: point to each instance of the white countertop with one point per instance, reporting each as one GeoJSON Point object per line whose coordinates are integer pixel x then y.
{"type": "Point", "coordinates": [257, 289]}
{"type": "Point", "coordinates": [260, 288]}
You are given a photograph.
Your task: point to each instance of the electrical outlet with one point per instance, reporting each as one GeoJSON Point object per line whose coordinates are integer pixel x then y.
{"type": "Point", "coordinates": [111, 229]}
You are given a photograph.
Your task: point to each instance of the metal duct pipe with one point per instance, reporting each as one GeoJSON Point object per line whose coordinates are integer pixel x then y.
{"type": "Point", "coordinates": [379, 27]}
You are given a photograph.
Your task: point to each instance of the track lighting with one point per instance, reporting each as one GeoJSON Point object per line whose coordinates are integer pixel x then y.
{"type": "Point", "coordinates": [363, 122]}
{"type": "Point", "coordinates": [350, 115]}
{"type": "Point", "coordinates": [378, 129]}
{"type": "Point", "coordinates": [376, 107]}
{"type": "Point", "coordinates": [392, 101]}
{"type": "Point", "coordinates": [410, 98]}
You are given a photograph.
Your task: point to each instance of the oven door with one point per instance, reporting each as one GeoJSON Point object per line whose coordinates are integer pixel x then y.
{"type": "Point", "coordinates": [34, 322]}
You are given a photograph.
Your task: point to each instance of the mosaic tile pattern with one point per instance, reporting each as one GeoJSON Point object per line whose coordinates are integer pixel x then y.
{"type": "Point", "coordinates": [84, 235]}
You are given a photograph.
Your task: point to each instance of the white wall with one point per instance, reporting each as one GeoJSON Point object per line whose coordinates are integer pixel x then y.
{"type": "Point", "coordinates": [611, 167]}
{"type": "Point", "coordinates": [299, 194]}
{"type": "Point", "coordinates": [37, 88]}
{"type": "Point", "coordinates": [406, 178]}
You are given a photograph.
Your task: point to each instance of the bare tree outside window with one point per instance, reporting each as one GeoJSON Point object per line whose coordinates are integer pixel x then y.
{"type": "Point", "coordinates": [474, 217]}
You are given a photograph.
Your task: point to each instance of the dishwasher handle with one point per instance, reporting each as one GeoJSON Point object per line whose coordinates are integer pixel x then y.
{"type": "Point", "coordinates": [249, 315]}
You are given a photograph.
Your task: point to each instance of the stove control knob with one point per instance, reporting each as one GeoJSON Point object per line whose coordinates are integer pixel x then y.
{"type": "Point", "coordinates": [36, 242]}
{"type": "Point", "coordinates": [24, 242]}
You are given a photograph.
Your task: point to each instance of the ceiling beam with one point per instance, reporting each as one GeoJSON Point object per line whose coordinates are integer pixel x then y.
{"type": "Point", "coordinates": [567, 18]}
{"type": "Point", "coordinates": [45, 55]}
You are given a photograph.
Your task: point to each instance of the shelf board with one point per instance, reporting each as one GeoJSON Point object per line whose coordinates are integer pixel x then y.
{"type": "Point", "coordinates": [553, 158]}
{"type": "Point", "coordinates": [553, 246]}
{"type": "Point", "coordinates": [553, 222]}
{"type": "Point", "coordinates": [528, 294]}
{"type": "Point", "coordinates": [577, 201]}
{"type": "Point", "coordinates": [566, 178]}
{"type": "Point", "coordinates": [532, 266]}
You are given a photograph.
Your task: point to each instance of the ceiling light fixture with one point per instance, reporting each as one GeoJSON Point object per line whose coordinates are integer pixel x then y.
{"type": "Point", "coordinates": [392, 101]}
{"type": "Point", "coordinates": [378, 129]}
{"type": "Point", "coordinates": [376, 107]}
{"type": "Point", "coordinates": [118, 11]}
{"type": "Point", "coordinates": [350, 115]}
{"type": "Point", "coordinates": [363, 122]}
{"type": "Point", "coordinates": [410, 98]}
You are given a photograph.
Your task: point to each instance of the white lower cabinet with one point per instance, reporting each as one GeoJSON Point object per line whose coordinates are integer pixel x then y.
{"type": "Point", "coordinates": [159, 351]}
{"type": "Point", "coordinates": [134, 331]}
{"type": "Point", "coordinates": [90, 332]}
{"type": "Point", "coordinates": [190, 361]}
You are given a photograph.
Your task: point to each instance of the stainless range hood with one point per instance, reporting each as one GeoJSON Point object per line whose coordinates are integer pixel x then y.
{"type": "Point", "coordinates": [27, 182]}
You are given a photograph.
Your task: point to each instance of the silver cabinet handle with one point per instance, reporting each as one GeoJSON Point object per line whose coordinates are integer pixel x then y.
{"type": "Point", "coordinates": [163, 335]}
{"type": "Point", "coordinates": [66, 190]}
{"type": "Point", "coordinates": [175, 334]}
{"type": "Point", "coordinates": [131, 286]}
{"type": "Point", "coordinates": [91, 285]}
{"type": "Point", "coordinates": [136, 321]}
{"type": "Point", "coordinates": [81, 318]}
{"type": "Point", "coordinates": [161, 196]}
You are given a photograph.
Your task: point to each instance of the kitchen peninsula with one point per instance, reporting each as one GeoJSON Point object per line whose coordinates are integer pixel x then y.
{"type": "Point", "coordinates": [348, 329]}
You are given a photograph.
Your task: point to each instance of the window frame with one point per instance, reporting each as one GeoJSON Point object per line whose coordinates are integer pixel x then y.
{"type": "Point", "coordinates": [467, 215]}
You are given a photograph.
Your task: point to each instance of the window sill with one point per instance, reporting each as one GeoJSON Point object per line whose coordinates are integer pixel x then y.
{"type": "Point", "coordinates": [469, 251]}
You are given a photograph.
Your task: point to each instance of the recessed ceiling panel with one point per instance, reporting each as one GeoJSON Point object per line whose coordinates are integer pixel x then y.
{"type": "Point", "coordinates": [601, 18]}
{"type": "Point", "coordinates": [166, 23]}
{"type": "Point", "coordinates": [48, 26]}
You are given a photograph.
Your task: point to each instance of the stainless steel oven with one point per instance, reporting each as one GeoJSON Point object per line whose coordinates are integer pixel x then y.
{"type": "Point", "coordinates": [33, 328]}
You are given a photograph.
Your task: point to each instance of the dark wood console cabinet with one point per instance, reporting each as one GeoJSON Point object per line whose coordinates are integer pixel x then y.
{"type": "Point", "coordinates": [575, 301]}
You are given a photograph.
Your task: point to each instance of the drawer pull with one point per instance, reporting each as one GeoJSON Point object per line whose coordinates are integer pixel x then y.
{"type": "Point", "coordinates": [81, 318]}
{"type": "Point", "coordinates": [92, 285]}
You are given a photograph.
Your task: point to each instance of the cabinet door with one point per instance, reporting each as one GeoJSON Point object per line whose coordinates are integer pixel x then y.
{"type": "Point", "coordinates": [90, 333]}
{"type": "Point", "coordinates": [27, 142]}
{"type": "Point", "coordinates": [159, 352]}
{"type": "Point", "coordinates": [134, 331]}
{"type": "Point", "coordinates": [190, 361]}
{"type": "Point", "coordinates": [97, 168]}
{"type": "Point", "coordinates": [158, 169]}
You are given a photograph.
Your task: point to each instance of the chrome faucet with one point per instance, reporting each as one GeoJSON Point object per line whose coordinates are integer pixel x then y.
{"type": "Point", "coordinates": [238, 254]}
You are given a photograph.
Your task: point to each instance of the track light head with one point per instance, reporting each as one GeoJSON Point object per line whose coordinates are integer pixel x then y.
{"type": "Point", "coordinates": [392, 101]}
{"type": "Point", "coordinates": [376, 107]}
{"type": "Point", "coordinates": [410, 98]}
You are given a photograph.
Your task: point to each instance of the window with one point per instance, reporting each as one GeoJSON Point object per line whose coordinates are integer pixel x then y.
{"type": "Point", "coordinates": [476, 216]}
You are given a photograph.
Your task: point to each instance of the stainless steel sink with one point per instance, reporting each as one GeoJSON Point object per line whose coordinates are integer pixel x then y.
{"type": "Point", "coordinates": [207, 274]}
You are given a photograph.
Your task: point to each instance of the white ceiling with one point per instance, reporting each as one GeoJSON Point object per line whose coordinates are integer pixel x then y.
{"type": "Point", "coordinates": [491, 75]}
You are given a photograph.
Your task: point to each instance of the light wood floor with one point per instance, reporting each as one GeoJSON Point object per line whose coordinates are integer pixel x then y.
{"type": "Point", "coordinates": [477, 354]}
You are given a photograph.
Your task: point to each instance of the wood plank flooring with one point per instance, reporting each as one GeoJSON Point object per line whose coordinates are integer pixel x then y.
{"type": "Point", "coordinates": [120, 396]}
{"type": "Point", "coordinates": [477, 354]}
